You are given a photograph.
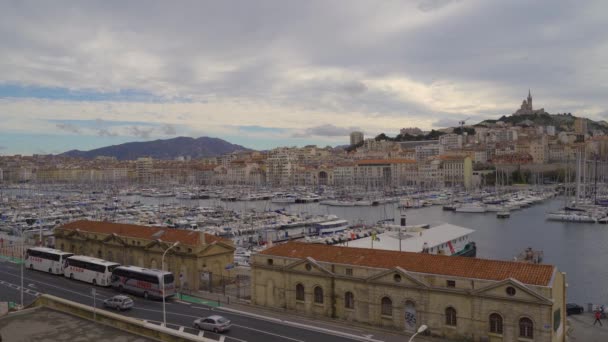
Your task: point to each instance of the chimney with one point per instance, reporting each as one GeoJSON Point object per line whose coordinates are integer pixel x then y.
{"type": "Point", "coordinates": [201, 238]}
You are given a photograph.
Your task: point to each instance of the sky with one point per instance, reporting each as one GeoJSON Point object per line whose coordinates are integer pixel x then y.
{"type": "Point", "coordinates": [262, 74]}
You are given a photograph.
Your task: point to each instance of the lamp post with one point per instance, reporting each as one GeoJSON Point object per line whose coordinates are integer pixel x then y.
{"type": "Point", "coordinates": [421, 329]}
{"type": "Point", "coordinates": [163, 281]}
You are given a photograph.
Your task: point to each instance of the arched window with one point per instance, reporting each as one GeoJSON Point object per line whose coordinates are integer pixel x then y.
{"type": "Point", "coordinates": [450, 316]}
{"type": "Point", "coordinates": [496, 323]}
{"type": "Point", "coordinates": [526, 328]}
{"type": "Point", "coordinates": [300, 292]}
{"type": "Point", "coordinates": [349, 300]}
{"type": "Point", "coordinates": [318, 295]}
{"type": "Point", "coordinates": [387, 307]}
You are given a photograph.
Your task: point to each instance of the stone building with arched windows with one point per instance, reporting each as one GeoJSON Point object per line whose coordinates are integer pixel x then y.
{"type": "Point", "coordinates": [456, 297]}
{"type": "Point", "coordinates": [198, 262]}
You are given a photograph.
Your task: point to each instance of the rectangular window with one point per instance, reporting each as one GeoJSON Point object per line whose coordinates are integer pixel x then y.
{"type": "Point", "coordinates": [451, 283]}
{"type": "Point", "coordinates": [269, 262]}
{"type": "Point", "coordinates": [349, 271]}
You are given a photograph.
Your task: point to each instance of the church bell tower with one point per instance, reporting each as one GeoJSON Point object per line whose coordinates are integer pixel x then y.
{"type": "Point", "coordinates": [529, 100]}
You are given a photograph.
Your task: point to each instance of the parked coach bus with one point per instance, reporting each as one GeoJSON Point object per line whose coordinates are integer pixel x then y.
{"type": "Point", "coordinates": [92, 270]}
{"type": "Point", "coordinates": [46, 259]}
{"type": "Point", "coordinates": [142, 281]}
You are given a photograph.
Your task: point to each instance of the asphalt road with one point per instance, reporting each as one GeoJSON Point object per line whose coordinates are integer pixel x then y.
{"type": "Point", "coordinates": [244, 328]}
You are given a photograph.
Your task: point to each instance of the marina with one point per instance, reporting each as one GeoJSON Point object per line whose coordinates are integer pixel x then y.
{"type": "Point", "coordinates": [573, 246]}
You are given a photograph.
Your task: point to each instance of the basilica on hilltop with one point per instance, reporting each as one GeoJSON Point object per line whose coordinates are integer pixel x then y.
{"type": "Point", "coordinates": [527, 109]}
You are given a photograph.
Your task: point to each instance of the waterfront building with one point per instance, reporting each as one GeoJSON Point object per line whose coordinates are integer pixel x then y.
{"type": "Point", "coordinates": [344, 174]}
{"type": "Point", "coordinates": [457, 170]}
{"type": "Point", "coordinates": [201, 259]}
{"type": "Point", "coordinates": [280, 167]}
{"type": "Point", "coordinates": [456, 297]}
{"type": "Point", "coordinates": [356, 138]}
{"type": "Point", "coordinates": [143, 169]}
{"type": "Point", "coordinates": [384, 172]}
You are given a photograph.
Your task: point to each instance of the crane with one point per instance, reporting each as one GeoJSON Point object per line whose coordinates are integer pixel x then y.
{"type": "Point", "coordinates": [462, 122]}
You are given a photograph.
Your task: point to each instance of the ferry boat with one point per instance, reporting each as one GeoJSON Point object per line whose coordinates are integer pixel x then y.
{"type": "Point", "coordinates": [471, 208]}
{"type": "Point", "coordinates": [445, 239]}
{"type": "Point", "coordinates": [331, 227]}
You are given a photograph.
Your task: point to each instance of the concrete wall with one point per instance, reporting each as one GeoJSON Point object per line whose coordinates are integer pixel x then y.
{"type": "Point", "coordinates": [131, 325]}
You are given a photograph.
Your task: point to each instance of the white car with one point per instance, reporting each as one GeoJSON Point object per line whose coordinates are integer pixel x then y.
{"type": "Point", "coordinates": [213, 323]}
{"type": "Point", "coordinates": [119, 303]}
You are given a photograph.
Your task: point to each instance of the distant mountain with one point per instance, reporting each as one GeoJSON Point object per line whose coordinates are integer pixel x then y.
{"type": "Point", "coordinates": [162, 149]}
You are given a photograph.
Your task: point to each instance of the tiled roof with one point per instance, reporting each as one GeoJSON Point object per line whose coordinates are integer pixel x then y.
{"type": "Point", "coordinates": [186, 237]}
{"type": "Point", "coordinates": [385, 161]}
{"type": "Point", "coordinates": [418, 262]}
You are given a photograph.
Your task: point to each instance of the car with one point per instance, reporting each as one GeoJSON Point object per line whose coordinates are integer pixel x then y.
{"type": "Point", "coordinates": [119, 302]}
{"type": "Point", "coordinates": [213, 323]}
{"type": "Point", "coordinates": [574, 309]}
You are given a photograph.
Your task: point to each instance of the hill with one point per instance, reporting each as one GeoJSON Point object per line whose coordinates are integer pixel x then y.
{"type": "Point", "coordinates": [562, 122]}
{"type": "Point", "coordinates": [162, 149]}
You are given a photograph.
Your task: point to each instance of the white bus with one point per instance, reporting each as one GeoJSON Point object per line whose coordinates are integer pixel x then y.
{"type": "Point", "coordinates": [92, 270]}
{"type": "Point", "coordinates": [46, 259]}
{"type": "Point", "coordinates": [143, 281]}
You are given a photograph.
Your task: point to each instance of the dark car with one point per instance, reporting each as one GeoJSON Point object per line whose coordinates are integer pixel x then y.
{"type": "Point", "coordinates": [574, 309]}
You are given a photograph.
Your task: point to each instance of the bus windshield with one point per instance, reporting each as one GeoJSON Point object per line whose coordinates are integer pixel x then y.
{"type": "Point", "coordinates": [169, 278]}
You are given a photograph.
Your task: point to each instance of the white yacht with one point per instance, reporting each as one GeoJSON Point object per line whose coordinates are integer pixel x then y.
{"type": "Point", "coordinates": [471, 208]}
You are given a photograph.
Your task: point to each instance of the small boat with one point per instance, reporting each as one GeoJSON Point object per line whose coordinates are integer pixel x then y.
{"type": "Point", "coordinates": [503, 214]}
{"type": "Point", "coordinates": [530, 256]}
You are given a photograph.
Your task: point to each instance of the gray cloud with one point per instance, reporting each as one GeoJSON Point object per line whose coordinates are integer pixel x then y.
{"type": "Point", "coordinates": [196, 52]}
{"type": "Point", "coordinates": [168, 129]}
{"type": "Point", "coordinates": [325, 131]}
{"type": "Point", "coordinates": [432, 5]}
{"type": "Point", "coordinates": [104, 132]}
{"type": "Point", "coordinates": [69, 128]}
{"type": "Point", "coordinates": [2, 148]}
{"type": "Point", "coordinates": [140, 132]}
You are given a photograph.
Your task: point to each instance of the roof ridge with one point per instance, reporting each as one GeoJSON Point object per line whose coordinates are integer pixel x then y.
{"type": "Point", "coordinates": [535, 274]}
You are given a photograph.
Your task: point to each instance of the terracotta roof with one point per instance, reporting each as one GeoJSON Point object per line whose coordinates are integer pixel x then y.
{"type": "Point", "coordinates": [385, 161]}
{"type": "Point", "coordinates": [418, 262]}
{"type": "Point", "coordinates": [186, 237]}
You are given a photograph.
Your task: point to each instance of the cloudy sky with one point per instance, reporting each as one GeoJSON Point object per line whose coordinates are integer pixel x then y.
{"type": "Point", "coordinates": [86, 74]}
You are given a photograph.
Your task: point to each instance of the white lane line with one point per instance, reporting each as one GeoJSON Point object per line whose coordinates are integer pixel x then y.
{"type": "Point", "coordinates": [200, 307]}
{"type": "Point", "coordinates": [267, 333]}
{"type": "Point", "coordinates": [181, 302]}
{"type": "Point", "coordinates": [300, 325]}
{"type": "Point", "coordinates": [57, 287]}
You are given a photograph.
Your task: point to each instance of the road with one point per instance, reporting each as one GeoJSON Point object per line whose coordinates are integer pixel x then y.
{"type": "Point", "coordinates": [244, 328]}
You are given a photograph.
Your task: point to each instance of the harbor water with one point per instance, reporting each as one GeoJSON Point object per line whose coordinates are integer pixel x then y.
{"type": "Point", "coordinates": [579, 249]}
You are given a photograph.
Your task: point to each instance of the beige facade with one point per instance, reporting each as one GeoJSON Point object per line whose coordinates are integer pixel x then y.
{"type": "Point", "coordinates": [457, 298]}
{"type": "Point", "coordinates": [199, 258]}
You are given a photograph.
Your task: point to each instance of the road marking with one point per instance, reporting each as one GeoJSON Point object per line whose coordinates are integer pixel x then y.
{"type": "Point", "coordinates": [57, 287]}
{"type": "Point", "coordinates": [181, 302]}
{"type": "Point", "coordinates": [267, 333]}
{"type": "Point", "coordinates": [300, 325]}
{"type": "Point", "coordinates": [200, 307]}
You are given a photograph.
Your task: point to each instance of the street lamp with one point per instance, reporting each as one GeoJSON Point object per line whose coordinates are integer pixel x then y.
{"type": "Point", "coordinates": [421, 329]}
{"type": "Point", "coordinates": [163, 281]}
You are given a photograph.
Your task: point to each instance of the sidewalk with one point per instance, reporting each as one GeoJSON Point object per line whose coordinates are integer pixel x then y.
{"type": "Point", "coordinates": [582, 329]}
{"type": "Point", "coordinates": [325, 324]}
